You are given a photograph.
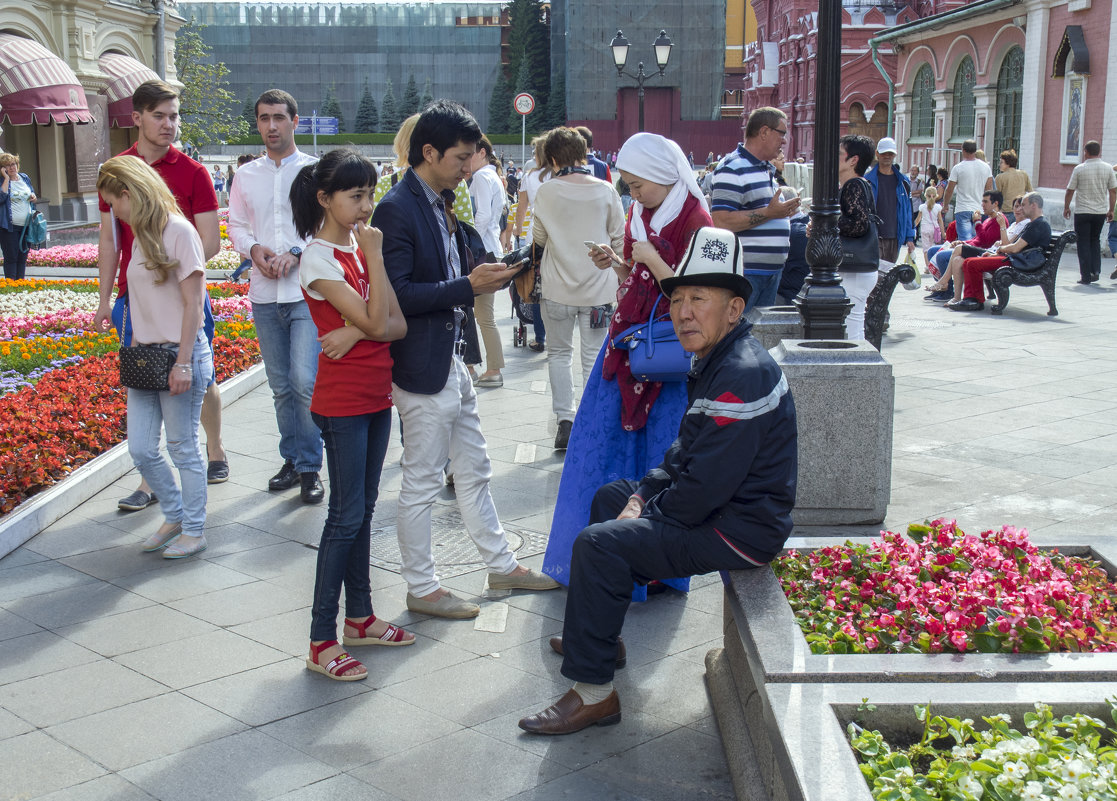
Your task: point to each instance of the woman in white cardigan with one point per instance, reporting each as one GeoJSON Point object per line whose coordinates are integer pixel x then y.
{"type": "Point", "coordinates": [570, 209]}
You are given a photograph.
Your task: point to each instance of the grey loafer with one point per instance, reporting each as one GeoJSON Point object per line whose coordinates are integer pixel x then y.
{"type": "Point", "coordinates": [449, 605]}
{"type": "Point", "coordinates": [532, 580]}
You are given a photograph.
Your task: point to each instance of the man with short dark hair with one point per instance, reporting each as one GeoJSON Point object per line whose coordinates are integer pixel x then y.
{"type": "Point", "coordinates": [434, 277]}
{"type": "Point", "coordinates": [893, 197]}
{"type": "Point", "coordinates": [263, 230]}
{"type": "Point", "coordinates": [599, 167]}
{"type": "Point", "coordinates": [720, 500]}
{"type": "Point", "coordinates": [1096, 185]}
{"type": "Point", "coordinates": [971, 176]}
{"type": "Point", "coordinates": [155, 114]}
{"type": "Point", "coordinates": [747, 200]}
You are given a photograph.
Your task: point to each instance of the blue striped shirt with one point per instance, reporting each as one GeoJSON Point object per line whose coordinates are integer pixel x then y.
{"type": "Point", "coordinates": [742, 182]}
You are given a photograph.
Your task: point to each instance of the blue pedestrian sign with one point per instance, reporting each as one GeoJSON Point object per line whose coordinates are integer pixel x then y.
{"type": "Point", "coordinates": [317, 125]}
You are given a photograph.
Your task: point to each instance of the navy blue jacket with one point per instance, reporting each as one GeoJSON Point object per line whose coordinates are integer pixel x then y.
{"type": "Point", "coordinates": [734, 465]}
{"type": "Point", "coordinates": [905, 228]}
{"type": "Point", "coordinates": [6, 204]}
{"type": "Point", "coordinates": [420, 274]}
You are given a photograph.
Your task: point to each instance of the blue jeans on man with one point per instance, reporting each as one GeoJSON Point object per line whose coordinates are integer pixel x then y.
{"type": "Point", "coordinates": [765, 283]}
{"type": "Point", "coordinates": [355, 448]}
{"type": "Point", "coordinates": [964, 225]}
{"type": "Point", "coordinates": [289, 346]}
{"type": "Point", "coordinates": [1113, 238]}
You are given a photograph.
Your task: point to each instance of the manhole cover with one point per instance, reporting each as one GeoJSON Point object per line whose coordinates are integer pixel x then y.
{"type": "Point", "coordinates": [454, 551]}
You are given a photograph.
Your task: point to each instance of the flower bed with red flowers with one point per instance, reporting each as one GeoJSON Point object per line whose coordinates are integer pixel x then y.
{"type": "Point", "coordinates": [61, 403]}
{"type": "Point", "coordinates": [939, 589]}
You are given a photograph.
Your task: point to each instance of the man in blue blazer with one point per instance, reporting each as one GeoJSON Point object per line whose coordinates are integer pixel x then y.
{"type": "Point", "coordinates": [434, 277]}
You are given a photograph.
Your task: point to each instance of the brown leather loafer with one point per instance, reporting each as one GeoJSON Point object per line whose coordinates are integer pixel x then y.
{"type": "Point", "coordinates": [569, 714]}
{"type": "Point", "coordinates": [622, 653]}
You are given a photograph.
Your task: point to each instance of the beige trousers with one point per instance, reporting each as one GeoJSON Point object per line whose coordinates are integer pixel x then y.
{"type": "Point", "coordinates": [486, 322]}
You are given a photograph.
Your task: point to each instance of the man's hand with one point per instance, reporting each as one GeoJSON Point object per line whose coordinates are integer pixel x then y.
{"type": "Point", "coordinates": [487, 278]}
{"type": "Point", "coordinates": [632, 509]}
{"type": "Point", "coordinates": [778, 208]}
{"type": "Point", "coordinates": [262, 260]}
{"type": "Point", "coordinates": [1066, 212]}
{"type": "Point", "coordinates": [340, 341]}
{"type": "Point", "coordinates": [506, 239]}
{"type": "Point", "coordinates": [284, 263]}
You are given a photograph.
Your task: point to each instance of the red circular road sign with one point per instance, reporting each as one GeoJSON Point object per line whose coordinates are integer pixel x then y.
{"type": "Point", "coordinates": [524, 103]}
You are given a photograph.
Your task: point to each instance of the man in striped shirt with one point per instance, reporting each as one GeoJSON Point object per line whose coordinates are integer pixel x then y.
{"type": "Point", "coordinates": [747, 201]}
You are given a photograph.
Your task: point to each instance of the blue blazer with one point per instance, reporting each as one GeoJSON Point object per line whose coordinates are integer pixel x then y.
{"type": "Point", "coordinates": [6, 204]}
{"type": "Point", "coordinates": [419, 271]}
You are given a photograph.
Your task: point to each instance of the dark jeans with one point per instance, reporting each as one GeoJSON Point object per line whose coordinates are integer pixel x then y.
{"type": "Point", "coordinates": [355, 448]}
{"type": "Point", "coordinates": [609, 555]}
{"type": "Point", "coordinates": [15, 262]}
{"type": "Point", "coordinates": [537, 323]}
{"type": "Point", "coordinates": [1089, 227]}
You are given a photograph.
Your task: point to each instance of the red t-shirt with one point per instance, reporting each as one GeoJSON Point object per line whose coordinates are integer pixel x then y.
{"type": "Point", "coordinates": [360, 382]}
{"type": "Point", "coordinates": [188, 181]}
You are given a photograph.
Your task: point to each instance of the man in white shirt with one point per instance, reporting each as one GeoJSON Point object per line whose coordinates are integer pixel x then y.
{"type": "Point", "coordinates": [261, 229]}
{"type": "Point", "coordinates": [972, 177]}
{"type": "Point", "coordinates": [488, 201]}
{"type": "Point", "coordinates": [1096, 185]}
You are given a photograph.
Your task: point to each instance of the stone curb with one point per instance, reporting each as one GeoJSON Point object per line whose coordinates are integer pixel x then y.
{"type": "Point", "coordinates": [42, 510]}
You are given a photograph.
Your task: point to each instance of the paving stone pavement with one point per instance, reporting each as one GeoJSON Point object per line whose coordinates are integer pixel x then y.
{"type": "Point", "coordinates": [124, 676]}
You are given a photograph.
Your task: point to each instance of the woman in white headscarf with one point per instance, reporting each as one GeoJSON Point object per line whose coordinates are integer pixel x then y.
{"type": "Point", "coordinates": [624, 426]}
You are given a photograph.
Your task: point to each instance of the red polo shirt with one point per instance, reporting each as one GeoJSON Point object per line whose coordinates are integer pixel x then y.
{"type": "Point", "coordinates": [188, 181]}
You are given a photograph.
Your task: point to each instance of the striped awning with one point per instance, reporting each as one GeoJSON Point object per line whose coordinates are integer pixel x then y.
{"type": "Point", "coordinates": [125, 74]}
{"type": "Point", "coordinates": [36, 86]}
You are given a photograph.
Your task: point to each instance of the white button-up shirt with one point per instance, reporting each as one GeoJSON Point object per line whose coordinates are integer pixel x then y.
{"type": "Point", "coordinates": [260, 214]}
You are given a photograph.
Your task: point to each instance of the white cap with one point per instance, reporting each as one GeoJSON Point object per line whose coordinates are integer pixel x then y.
{"type": "Point", "coordinates": [887, 145]}
{"type": "Point", "coordinates": [714, 258]}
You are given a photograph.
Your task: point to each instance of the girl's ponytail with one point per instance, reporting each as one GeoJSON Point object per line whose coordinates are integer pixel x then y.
{"type": "Point", "coordinates": [306, 211]}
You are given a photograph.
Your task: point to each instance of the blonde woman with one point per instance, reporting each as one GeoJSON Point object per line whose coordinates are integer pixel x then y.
{"type": "Point", "coordinates": [166, 294]}
{"type": "Point", "coordinates": [401, 146]}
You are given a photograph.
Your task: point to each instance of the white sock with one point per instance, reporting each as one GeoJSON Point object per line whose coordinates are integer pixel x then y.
{"type": "Point", "coordinates": [593, 693]}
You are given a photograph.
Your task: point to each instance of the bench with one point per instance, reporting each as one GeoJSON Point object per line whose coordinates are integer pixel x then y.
{"type": "Point", "coordinates": [876, 305]}
{"type": "Point", "coordinates": [1043, 277]}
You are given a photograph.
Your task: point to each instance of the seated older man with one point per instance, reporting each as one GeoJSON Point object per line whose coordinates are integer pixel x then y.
{"type": "Point", "coordinates": [721, 499]}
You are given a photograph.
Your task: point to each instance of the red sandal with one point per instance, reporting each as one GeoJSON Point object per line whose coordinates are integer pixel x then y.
{"type": "Point", "coordinates": [393, 636]}
{"type": "Point", "coordinates": [337, 667]}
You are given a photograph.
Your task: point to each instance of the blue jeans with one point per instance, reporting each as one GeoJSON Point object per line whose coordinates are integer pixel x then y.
{"type": "Point", "coordinates": [1113, 238]}
{"type": "Point", "coordinates": [289, 345]}
{"type": "Point", "coordinates": [764, 286]}
{"type": "Point", "coordinates": [537, 323]}
{"type": "Point", "coordinates": [149, 412]}
{"type": "Point", "coordinates": [963, 224]}
{"type": "Point", "coordinates": [123, 325]}
{"type": "Point", "coordinates": [355, 448]}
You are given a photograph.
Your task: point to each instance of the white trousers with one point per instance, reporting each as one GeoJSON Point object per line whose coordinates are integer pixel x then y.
{"type": "Point", "coordinates": [857, 287]}
{"type": "Point", "coordinates": [560, 321]}
{"type": "Point", "coordinates": [436, 427]}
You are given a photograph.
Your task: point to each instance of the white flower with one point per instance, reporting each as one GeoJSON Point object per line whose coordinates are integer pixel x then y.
{"type": "Point", "coordinates": [1033, 791]}
{"type": "Point", "coordinates": [1069, 792]}
{"type": "Point", "coordinates": [971, 785]}
{"type": "Point", "coordinates": [28, 304]}
{"type": "Point", "coordinates": [1073, 770]}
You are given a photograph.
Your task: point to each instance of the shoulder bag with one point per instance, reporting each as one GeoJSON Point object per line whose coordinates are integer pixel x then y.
{"type": "Point", "coordinates": [1029, 260]}
{"type": "Point", "coordinates": [34, 231]}
{"type": "Point", "coordinates": [654, 350]}
{"type": "Point", "coordinates": [145, 366]}
{"type": "Point", "coordinates": [861, 254]}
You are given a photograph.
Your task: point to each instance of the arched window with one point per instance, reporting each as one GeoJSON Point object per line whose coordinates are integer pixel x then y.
{"type": "Point", "coordinates": [963, 100]}
{"type": "Point", "coordinates": [1010, 95]}
{"type": "Point", "coordinates": [923, 104]}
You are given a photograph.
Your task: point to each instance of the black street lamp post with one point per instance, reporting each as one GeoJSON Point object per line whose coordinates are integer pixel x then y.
{"type": "Point", "coordinates": [662, 47]}
{"type": "Point", "coordinates": [822, 302]}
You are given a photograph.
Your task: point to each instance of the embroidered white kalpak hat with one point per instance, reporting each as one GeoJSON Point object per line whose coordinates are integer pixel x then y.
{"type": "Point", "coordinates": [714, 258]}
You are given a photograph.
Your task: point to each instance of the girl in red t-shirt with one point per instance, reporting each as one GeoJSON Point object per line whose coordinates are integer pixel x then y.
{"type": "Point", "coordinates": [357, 314]}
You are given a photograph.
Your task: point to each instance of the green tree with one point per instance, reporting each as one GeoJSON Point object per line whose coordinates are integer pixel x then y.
{"type": "Point", "coordinates": [499, 104]}
{"type": "Point", "coordinates": [537, 120]}
{"type": "Point", "coordinates": [427, 97]}
{"type": "Point", "coordinates": [389, 114]}
{"type": "Point", "coordinates": [248, 113]}
{"type": "Point", "coordinates": [368, 118]}
{"type": "Point", "coordinates": [207, 109]}
{"type": "Point", "coordinates": [556, 103]}
{"type": "Point", "coordinates": [410, 103]}
{"type": "Point", "coordinates": [332, 108]}
{"type": "Point", "coordinates": [529, 39]}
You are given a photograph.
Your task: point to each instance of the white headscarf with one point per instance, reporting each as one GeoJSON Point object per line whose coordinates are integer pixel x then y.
{"type": "Point", "coordinates": [658, 159]}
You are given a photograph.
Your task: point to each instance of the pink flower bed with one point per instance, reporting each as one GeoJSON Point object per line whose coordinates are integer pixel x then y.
{"type": "Point", "coordinates": [50, 323]}
{"type": "Point", "coordinates": [64, 256]}
{"type": "Point", "coordinates": [941, 589]}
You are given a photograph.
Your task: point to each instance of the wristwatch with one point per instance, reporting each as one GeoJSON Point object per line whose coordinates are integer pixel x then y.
{"type": "Point", "coordinates": [296, 251]}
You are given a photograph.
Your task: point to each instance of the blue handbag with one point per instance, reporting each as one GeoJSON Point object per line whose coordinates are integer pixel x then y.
{"type": "Point", "coordinates": [654, 350]}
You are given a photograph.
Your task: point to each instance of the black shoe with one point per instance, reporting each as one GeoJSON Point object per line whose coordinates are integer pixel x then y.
{"type": "Point", "coordinates": [1095, 276]}
{"type": "Point", "coordinates": [312, 491]}
{"type": "Point", "coordinates": [1113, 276]}
{"type": "Point", "coordinates": [217, 472]}
{"type": "Point", "coordinates": [286, 478]}
{"type": "Point", "coordinates": [1087, 280]}
{"type": "Point", "coordinates": [967, 304]}
{"type": "Point", "coordinates": [562, 438]}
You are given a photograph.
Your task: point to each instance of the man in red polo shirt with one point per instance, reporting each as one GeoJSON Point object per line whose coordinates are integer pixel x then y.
{"type": "Point", "coordinates": [155, 114]}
